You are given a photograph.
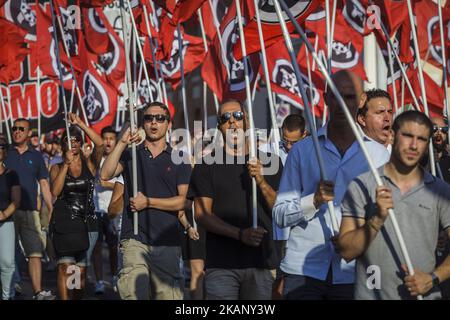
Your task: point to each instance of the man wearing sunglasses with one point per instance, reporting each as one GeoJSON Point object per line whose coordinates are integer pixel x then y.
{"type": "Point", "coordinates": [239, 258]}
{"type": "Point", "coordinates": [151, 260]}
{"type": "Point", "coordinates": [29, 165]}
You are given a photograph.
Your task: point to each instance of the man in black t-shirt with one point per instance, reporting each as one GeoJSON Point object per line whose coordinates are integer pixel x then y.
{"type": "Point", "coordinates": [151, 259]}
{"type": "Point", "coordinates": [239, 258]}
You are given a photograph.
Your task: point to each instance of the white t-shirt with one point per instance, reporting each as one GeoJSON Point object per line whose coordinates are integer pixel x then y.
{"type": "Point", "coordinates": [102, 196]}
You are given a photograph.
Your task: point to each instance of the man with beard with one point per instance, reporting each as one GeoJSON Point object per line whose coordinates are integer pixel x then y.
{"type": "Point", "coordinates": [313, 270]}
{"type": "Point", "coordinates": [375, 116]}
{"type": "Point", "coordinates": [442, 158]}
{"type": "Point", "coordinates": [108, 228]}
{"type": "Point", "coordinates": [422, 205]}
{"type": "Point", "coordinates": [151, 259]}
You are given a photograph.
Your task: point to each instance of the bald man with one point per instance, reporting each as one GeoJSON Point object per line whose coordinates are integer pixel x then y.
{"type": "Point", "coordinates": [313, 270]}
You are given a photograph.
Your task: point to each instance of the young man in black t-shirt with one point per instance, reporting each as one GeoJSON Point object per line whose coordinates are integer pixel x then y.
{"type": "Point", "coordinates": [239, 258]}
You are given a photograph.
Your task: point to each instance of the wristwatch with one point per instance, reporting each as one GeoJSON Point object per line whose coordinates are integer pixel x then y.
{"type": "Point", "coordinates": [434, 279]}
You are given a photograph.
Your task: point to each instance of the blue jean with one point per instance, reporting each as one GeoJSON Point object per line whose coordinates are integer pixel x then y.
{"type": "Point", "coordinates": [7, 258]}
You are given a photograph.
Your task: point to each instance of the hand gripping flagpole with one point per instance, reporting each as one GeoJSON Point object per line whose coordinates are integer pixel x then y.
{"type": "Point", "coordinates": [444, 63]}
{"type": "Point", "coordinates": [131, 106]}
{"type": "Point", "coordinates": [309, 116]}
{"type": "Point", "coordinates": [351, 122]}
{"type": "Point", "coordinates": [61, 77]}
{"type": "Point", "coordinates": [421, 81]}
{"type": "Point", "coordinates": [252, 150]}
{"type": "Point", "coordinates": [273, 117]}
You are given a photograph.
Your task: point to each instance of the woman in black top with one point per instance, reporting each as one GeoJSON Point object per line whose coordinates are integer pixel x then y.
{"type": "Point", "coordinates": [9, 202]}
{"type": "Point", "coordinates": [74, 226]}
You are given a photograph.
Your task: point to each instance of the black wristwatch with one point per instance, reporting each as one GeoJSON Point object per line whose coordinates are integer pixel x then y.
{"type": "Point", "coordinates": [435, 279]}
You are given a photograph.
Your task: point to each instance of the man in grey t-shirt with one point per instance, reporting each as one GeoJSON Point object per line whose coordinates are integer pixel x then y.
{"type": "Point", "coordinates": [421, 203]}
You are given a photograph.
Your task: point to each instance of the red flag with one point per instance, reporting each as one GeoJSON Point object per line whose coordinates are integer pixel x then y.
{"type": "Point", "coordinates": [95, 3]}
{"type": "Point", "coordinates": [13, 50]}
{"type": "Point", "coordinates": [270, 26]}
{"type": "Point", "coordinates": [99, 97]}
{"type": "Point", "coordinates": [108, 56]}
{"type": "Point", "coordinates": [44, 50]}
{"type": "Point", "coordinates": [284, 81]}
{"type": "Point", "coordinates": [20, 13]}
{"type": "Point", "coordinates": [193, 56]}
{"type": "Point", "coordinates": [223, 73]}
{"type": "Point", "coordinates": [212, 17]}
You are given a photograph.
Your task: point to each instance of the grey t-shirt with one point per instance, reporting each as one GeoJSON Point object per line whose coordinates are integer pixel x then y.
{"type": "Point", "coordinates": [419, 213]}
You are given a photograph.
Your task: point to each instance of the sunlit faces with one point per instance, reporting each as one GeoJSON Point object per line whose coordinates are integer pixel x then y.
{"type": "Point", "coordinates": [156, 128]}
{"type": "Point", "coordinates": [232, 123]}
{"type": "Point", "coordinates": [439, 133]}
{"type": "Point", "coordinates": [411, 143]}
{"type": "Point", "coordinates": [377, 121]}
{"type": "Point", "coordinates": [109, 141]}
{"type": "Point", "coordinates": [21, 131]}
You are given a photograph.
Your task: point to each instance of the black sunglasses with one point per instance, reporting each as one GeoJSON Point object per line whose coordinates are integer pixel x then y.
{"type": "Point", "coordinates": [442, 129]}
{"type": "Point", "coordinates": [238, 115]}
{"type": "Point", "coordinates": [15, 128]}
{"type": "Point", "coordinates": [160, 118]}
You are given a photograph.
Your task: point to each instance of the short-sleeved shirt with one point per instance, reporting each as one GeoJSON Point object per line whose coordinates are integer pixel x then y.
{"type": "Point", "coordinates": [102, 196]}
{"type": "Point", "coordinates": [156, 178]}
{"type": "Point", "coordinates": [230, 187]}
{"type": "Point", "coordinates": [30, 167]}
{"type": "Point", "coordinates": [8, 179]}
{"type": "Point", "coordinates": [419, 212]}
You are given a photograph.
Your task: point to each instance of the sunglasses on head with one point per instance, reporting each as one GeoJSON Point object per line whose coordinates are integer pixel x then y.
{"type": "Point", "coordinates": [442, 129]}
{"type": "Point", "coordinates": [15, 128]}
{"type": "Point", "coordinates": [237, 115]}
{"type": "Point", "coordinates": [160, 118]}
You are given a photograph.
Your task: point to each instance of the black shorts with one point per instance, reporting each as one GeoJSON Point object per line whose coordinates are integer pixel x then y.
{"type": "Point", "coordinates": [108, 229]}
{"type": "Point", "coordinates": [193, 249]}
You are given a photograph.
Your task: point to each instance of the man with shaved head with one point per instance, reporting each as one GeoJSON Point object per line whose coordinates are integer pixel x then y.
{"type": "Point", "coordinates": [313, 269]}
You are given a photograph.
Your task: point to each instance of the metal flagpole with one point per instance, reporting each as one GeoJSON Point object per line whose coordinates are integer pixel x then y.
{"type": "Point", "coordinates": [352, 124]}
{"type": "Point", "coordinates": [273, 118]}
{"type": "Point", "coordinates": [391, 70]}
{"type": "Point", "coordinates": [131, 106]}
{"type": "Point", "coordinates": [61, 77]}
{"type": "Point", "coordinates": [421, 81]}
{"type": "Point", "coordinates": [39, 101]}
{"type": "Point", "coordinates": [183, 89]}
{"type": "Point", "coordinates": [444, 64]}
{"type": "Point", "coordinates": [205, 87]}
{"type": "Point", "coordinates": [307, 111]}
{"type": "Point", "coordinates": [252, 150]}
{"type": "Point", "coordinates": [141, 53]}
{"type": "Point", "coordinates": [308, 65]}
{"type": "Point", "coordinates": [72, 95]}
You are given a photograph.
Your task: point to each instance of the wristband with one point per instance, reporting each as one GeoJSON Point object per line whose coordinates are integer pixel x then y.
{"type": "Point", "coordinates": [188, 227]}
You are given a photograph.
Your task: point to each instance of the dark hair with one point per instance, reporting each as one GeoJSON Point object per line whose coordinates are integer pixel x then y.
{"type": "Point", "coordinates": [294, 122]}
{"type": "Point", "coordinates": [108, 129]}
{"type": "Point", "coordinates": [23, 120]}
{"type": "Point", "coordinates": [157, 104]}
{"type": "Point", "coordinates": [4, 140]}
{"type": "Point", "coordinates": [373, 94]}
{"type": "Point", "coordinates": [412, 116]}
{"type": "Point", "coordinates": [241, 106]}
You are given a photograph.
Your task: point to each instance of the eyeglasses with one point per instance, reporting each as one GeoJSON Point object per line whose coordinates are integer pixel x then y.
{"type": "Point", "coordinates": [442, 129]}
{"type": "Point", "coordinates": [238, 115]}
{"type": "Point", "coordinates": [15, 128]}
{"type": "Point", "coordinates": [160, 118]}
{"type": "Point", "coordinates": [290, 142]}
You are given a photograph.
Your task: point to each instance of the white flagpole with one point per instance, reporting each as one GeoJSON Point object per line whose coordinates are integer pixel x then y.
{"type": "Point", "coordinates": [183, 90]}
{"type": "Point", "coordinates": [307, 111]}
{"type": "Point", "coordinates": [39, 101]}
{"type": "Point", "coordinates": [72, 95]}
{"type": "Point", "coordinates": [218, 34]}
{"type": "Point", "coordinates": [8, 92]}
{"type": "Point", "coordinates": [273, 118]}
{"type": "Point", "coordinates": [421, 81]}
{"type": "Point", "coordinates": [444, 63]}
{"type": "Point", "coordinates": [352, 124]}
{"type": "Point", "coordinates": [205, 87]}
{"type": "Point", "coordinates": [131, 106]}
{"type": "Point", "coordinates": [252, 150]}
{"type": "Point", "coordinates": [391, 70]}
{"type": "Point", "coordinates": [4, 113]}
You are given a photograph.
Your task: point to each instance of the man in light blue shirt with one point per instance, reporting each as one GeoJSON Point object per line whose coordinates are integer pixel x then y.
{"type": "Point", "coordinates": [313, 270]}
